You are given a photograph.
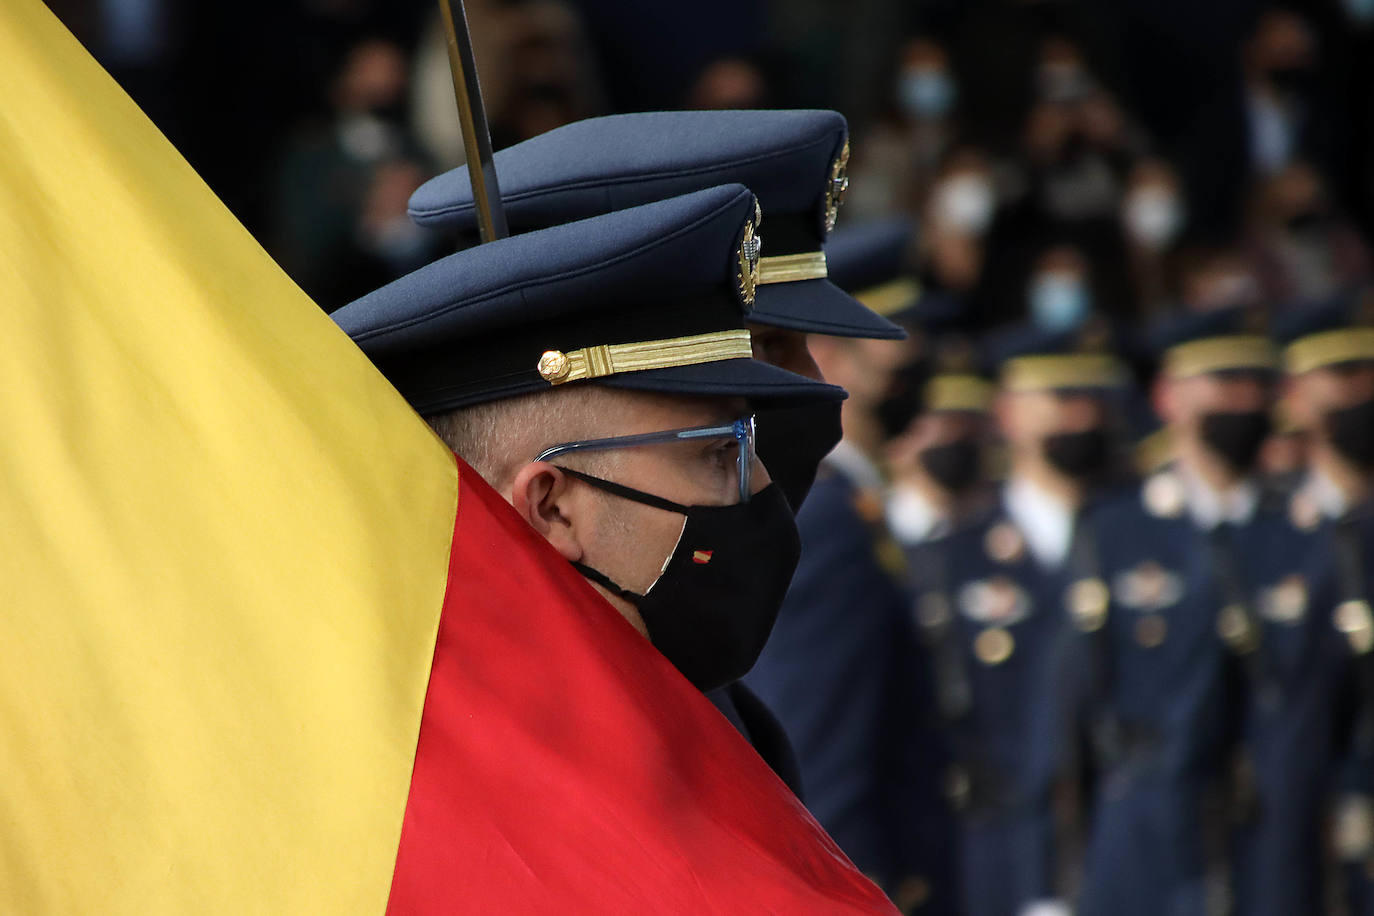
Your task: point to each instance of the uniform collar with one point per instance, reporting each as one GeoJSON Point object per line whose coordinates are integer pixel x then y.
{"type": "Point", "coordinates": [912, 517]}
{"type": "Point", "coordinates": [1325, 494]}
{"type": "Point", "coordinates": [851, 463]}
{"type": "Point", "coordinates": [1044, 519]}
{"type": "Point", "coordinates": [1210, 507]}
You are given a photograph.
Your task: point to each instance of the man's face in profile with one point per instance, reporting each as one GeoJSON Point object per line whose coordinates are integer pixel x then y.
{"type": "Point", "coordinates": [628, 541]}
{"type": "Point", "coordinates": [633, 539]}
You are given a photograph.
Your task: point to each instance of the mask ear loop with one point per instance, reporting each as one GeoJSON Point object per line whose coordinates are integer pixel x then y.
{"type": "Point", "coordinates": [605, 582]}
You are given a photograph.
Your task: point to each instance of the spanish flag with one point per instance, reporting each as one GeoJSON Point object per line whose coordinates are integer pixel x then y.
{"type": "Point", "coordinates": [265, 646]}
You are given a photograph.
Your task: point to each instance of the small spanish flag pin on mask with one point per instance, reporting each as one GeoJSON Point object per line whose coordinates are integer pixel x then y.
{"type": "Point", "coordinates": [702, 556]}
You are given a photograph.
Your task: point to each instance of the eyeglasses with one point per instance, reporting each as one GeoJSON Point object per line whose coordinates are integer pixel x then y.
{"type": "Point", "coordinates": [741, 431]}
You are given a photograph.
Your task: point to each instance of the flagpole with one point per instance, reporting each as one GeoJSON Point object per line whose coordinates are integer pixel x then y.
{"type": "Point", "coordinates": [472, 116]}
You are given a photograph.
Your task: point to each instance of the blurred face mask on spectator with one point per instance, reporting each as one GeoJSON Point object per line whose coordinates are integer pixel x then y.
{"type": "Point", "coordinates": [964, 204]}
{"type": "Point", "coordinates": [1059, 300]}
{"type": "Point", "coordinates": [926, 92]}
{"type": "Point", "coordinates": [1153, 216]}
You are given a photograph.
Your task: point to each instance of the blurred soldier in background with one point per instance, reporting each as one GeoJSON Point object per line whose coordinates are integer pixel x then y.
{"type": "Point", "coordinates": [1329, 359]}
{"type": "Point", "coordinates": [991, 606]}
{"type": "Point", "coordinates": [840, 669]}
{"type": "Point", "coordinates": [1130, 706]}
{"type": "Point", "coordinates": [1215, 393]}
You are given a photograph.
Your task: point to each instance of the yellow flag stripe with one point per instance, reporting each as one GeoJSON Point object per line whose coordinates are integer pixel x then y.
{"type": "Point", "coordinates": [223, 537]}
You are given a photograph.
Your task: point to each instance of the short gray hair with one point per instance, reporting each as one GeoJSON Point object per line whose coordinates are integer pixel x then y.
{"type": "Point", "coordinates": [498, 437]}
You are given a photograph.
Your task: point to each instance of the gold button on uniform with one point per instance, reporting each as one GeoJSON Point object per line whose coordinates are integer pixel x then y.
{"type": "Point", "coordinates": [1088, 600]}
{"type": "Point", "coordinates": [1304, 512]}
{"type": "Point", "coordinates": [1356, 621]}
{"type": "Point", "coordinates": [912, 893]}
{"type": "Point", "coordinates": [958, 786]}
{"type": "Point", "coordinates": [1164, 496]}
{"type": "Point", "coordinates": [932, 611]}
{"type": "Point", "coordinates": [994, 646]}
{"type": "Point", "coordinates": [1004, 543]}
{"type": "Point", "coordinates": [1235, 628]}
{"type": "Point", "coordinates": [1151, 631]}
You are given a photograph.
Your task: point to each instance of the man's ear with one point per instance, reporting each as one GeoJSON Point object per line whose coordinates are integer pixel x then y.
{"type": "Point", "coordinates": [543, 497]}
{"type": "Point", "coordinates": [1161, 399]}
{"type": "Point", "coordinates": [1005, 416]}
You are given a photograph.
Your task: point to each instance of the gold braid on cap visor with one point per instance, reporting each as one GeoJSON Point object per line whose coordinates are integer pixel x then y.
{"type": "Point", "coordinates": [958, 392]}
{"type": "Point", "coordinates": [1344, 345]}
{"type": "Point", "coordinates": [789, 268]}
{"type": "Point", "coordinates": [1078, 370]}
{"type": "Point", "coordinates": [1219, 354]}
{"type": "Point", "coordinates": [557, 367]}
{"type": "Point", "coordinates": [889, 298]}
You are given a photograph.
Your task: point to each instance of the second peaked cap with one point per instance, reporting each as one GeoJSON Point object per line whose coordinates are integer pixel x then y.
{"type": "Point", "coordinates": [795, 161]}
{"type": "Point", "coordinates": [653, 298]}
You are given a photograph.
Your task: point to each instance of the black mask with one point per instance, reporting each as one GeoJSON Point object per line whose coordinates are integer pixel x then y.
{"type": "Point", "coordinates": [902, 402]}
{"type": "Point", "coordinates": [1081, 455]}
{"type": "Point", "coordinates": [1236, 436]}
{"type": "Point", "coordinates": [711, 609]}
{"type": "Point", "coordinates": [1352, 433]}
{"type": "Point", "coordinates": [1306, 220]}
{"type": "Point", "coordinates": [791, 443]}
{"type": "Point", "coordinates": [954, 465]}
{"type": "Point", "coordinates": [1293, 80]}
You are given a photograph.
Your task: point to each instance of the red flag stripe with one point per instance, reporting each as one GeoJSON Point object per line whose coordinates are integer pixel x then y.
{"type": "Point", "coordinates": [564, 766]}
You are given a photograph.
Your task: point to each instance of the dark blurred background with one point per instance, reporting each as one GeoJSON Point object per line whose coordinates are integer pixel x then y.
{"type": "Point", "coordinates": [1123, 158]}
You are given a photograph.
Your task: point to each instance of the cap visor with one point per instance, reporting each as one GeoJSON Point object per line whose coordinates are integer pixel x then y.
{"type": "Point", "coordinates": [730, 378]}
{"type": "Point", "coordinates": [819, 307]}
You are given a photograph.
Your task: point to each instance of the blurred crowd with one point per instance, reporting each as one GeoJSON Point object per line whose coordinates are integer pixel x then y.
{"type": "Point", "coordinates": [1060, 156]}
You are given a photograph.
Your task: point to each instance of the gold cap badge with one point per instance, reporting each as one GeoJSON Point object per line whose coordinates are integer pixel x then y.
{"type": "Point", "coordinates": [837, 186]}
{"type": "Point", "coordinates": [749, 247]}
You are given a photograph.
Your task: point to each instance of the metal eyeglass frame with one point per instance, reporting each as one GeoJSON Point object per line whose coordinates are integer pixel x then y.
{"type": "Point", "coordinates": [742, 430]}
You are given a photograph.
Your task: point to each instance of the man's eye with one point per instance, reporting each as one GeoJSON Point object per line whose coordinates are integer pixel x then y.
{"type": "Point", "coordinates": [723, 454]}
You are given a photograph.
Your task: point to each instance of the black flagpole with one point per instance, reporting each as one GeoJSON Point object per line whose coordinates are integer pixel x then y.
{"type": "Point", "coordinates": [486, 193]}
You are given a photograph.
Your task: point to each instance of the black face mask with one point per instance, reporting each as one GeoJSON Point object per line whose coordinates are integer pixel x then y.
{"type": "Point", "coordinates": [713, 606]}
{"type": "Point", "coordinates": [791, 443]}
{"type": "Point", "coordinates": [1236, 436]}
{"type": "Point", "coordinates": [1292, 80]}
{"type": "Point", "coordinates": [1081, 455]}
{"type": "Point", "coordinates": [1352, 433]}
{"type": "Point", "coordinates": [954, 465]}
{"type": "Point", "coordinates": [902, 401]}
